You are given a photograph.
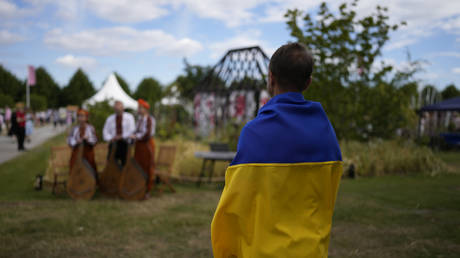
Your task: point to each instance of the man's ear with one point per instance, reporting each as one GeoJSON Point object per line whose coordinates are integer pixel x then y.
{"type": "Point", "coordinates": [271, 78]}
{"type": "Point", "coordinates": [270, 83]}
{"type": "Point", "coordinates": [307, 84]}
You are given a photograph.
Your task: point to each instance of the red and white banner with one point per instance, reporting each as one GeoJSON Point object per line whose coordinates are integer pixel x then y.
{"type": "Point", "coordinates": [31, 77]}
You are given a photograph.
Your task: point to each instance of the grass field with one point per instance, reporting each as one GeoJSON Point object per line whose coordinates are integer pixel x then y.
{"type": "Point", "coordinates": [389, 216]}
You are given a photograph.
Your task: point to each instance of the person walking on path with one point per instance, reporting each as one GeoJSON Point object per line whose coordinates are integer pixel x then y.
{"type": "Point", "coordinates": [7, 118]}
{"type": "Point", "coordinates": [280, 188]}
{"type": "Point", "coordinates": [145, 145]}
{"type": "Point", "coordinates": [2, 122]}
{"type": "Point", "coordinates": [20, 129]}
{"type": "Point", "coordinates": [29, 125]}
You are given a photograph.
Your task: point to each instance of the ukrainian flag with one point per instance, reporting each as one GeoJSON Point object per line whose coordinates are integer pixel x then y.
{"type": "Point", "coordinates": [281, 187]}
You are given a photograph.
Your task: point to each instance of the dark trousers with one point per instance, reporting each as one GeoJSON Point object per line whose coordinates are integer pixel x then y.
{"type": "Point", "coordinates": [21, 135]}
{"type": "Point", "coordinates": [121, 149]}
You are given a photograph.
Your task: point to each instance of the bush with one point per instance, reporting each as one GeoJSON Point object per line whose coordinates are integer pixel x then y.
{"type": "Point", "coordinates": [379, 157]}
{"type": "Point", "coordinates": [186, 164]}
{"type": "Point", "coordinates": [173, 122]}
{"type": "Point", "coordinates": [98, 113]}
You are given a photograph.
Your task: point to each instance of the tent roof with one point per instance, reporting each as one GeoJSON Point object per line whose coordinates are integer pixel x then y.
{"type": "Point", "coordinates": [112, 91]}
{"type": "Point", "coordinates": [446, 105]}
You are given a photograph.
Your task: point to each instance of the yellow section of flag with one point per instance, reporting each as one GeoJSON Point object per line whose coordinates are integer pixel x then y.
{"type": "Point", "coordinates": [276, 210]}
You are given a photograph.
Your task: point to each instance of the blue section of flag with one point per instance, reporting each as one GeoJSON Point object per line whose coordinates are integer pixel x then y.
{"type": "Point", "coordinates": [288, 129]}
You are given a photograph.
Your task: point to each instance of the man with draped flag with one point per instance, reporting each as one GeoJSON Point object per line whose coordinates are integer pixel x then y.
{"type": "Point", "coordinates": [281, 187]}
{"type": "Point", "coordinates": [145, 145]}
{"type": "Point", "coordinates": [83, 133]}
{"type": "Point", "coordinates": [118, 128]}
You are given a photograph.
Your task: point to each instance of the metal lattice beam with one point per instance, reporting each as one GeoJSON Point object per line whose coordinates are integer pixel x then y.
{"type": "Point", "coordinates": [243, 68]}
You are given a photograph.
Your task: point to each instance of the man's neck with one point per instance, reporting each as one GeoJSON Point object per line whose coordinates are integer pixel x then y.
{"type": "Point", "coordinates": [279, 91]}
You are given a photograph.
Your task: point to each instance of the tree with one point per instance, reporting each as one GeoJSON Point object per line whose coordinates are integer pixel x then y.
{"type": "Point", "coordinates": [46, 86]}
{"type": "Point", "coordinates": [78, 90]}
{"type": "Point", "coordinates": [124, 85]}
{"type": "Point", "coordinates": [11, 86]}
{"type": "Point", "coordinates": [362, 98]}
{"type": "Point", "coordinates": [37, 102]}
{"type": "Point", "coordinates": [194, 74]}
{"type": "Point", "coordinates": [450, 92]}
{"type": "Point", "coordinates": [6, 100]}
{"type": "Point", "coordinates": [150, 90]}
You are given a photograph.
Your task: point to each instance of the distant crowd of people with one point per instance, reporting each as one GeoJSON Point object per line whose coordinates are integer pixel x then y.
{"type": "Point", "coordinates": [19, 122]}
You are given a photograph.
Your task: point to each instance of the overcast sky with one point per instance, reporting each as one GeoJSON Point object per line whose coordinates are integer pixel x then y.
{"type": "Point", "coordinates": [143, 38]}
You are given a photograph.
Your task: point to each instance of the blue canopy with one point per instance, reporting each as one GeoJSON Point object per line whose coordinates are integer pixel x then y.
{"type": "Point", "coordinates": [452, 104]}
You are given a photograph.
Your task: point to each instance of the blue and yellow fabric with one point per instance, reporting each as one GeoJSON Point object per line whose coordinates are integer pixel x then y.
{"type": "Point", "coordinates": [280, 189]}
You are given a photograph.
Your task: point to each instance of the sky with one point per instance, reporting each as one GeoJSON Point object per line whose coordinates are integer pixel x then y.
{"type": "Point", "coordinates": [142, 38]}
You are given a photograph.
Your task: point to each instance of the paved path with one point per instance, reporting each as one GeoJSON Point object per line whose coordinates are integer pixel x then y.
{"type": "Point", "coordinates": [9, 147]}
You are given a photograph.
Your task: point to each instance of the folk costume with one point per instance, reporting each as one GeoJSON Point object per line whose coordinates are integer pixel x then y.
{"type": "Point", "coordinates": [119, 125]}
{"type": "Point", "coordinates": [145, 144]}
{"type": "Point", "coordinates": [85, 134]}
{"type": "Point", "coordinates": [281, 187]}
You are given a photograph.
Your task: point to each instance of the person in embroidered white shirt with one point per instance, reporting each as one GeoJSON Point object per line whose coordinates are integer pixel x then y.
{"type": "Point", "coordinates": [83, 133]}
{"type": "Point", "coordinates": [145, 146]}
{"type": "Point", "coordinates": [118, 128]}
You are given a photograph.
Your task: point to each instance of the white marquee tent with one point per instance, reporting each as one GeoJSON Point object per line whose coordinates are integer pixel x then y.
{"type": "Point", "coordinates": [112, 91]}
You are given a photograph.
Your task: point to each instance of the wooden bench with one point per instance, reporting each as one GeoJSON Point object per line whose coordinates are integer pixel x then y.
{"type": "Point", "coordinates": [164, 165]}
{"type": "Point", "coordinates": [58, 165]}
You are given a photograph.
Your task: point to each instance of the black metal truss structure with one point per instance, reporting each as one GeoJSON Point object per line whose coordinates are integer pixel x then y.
{"type": "Point", "coordinates": [239, 69]}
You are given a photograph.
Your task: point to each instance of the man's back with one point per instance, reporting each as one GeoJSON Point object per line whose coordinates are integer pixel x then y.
{"type": "Point", "coordinates": [280, 189]}
{"type": "Point", "coordinates": [301, 127]}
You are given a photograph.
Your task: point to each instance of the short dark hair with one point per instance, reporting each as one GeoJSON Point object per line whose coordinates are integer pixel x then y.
{"type": "Point", "coordinates": [292, 65]}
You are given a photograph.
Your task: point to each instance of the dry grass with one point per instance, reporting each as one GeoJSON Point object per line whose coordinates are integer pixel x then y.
{"type": "Point", "coordinates": [164, 226]}
{"type": "Point", "coordinates": [186, 164]}
{"type": "Point", "coordinates": [378, 158]}
{"type": "Point", "coordinates": [388, 216]}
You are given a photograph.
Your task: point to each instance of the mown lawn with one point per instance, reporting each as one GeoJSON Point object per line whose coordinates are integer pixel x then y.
{"type": "Point", "coordinates": [391, 216]}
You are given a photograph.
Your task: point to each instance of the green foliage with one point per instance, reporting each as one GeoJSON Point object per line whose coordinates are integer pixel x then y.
{"type": "Point", "coordinates": [37, 102]}
{"type": "Point", "coordinates": [11, 86]}
{"type": "Point", "coordinates": [78, 90]}
{"type": "Point", "coordinates": [377, 158]}
{"type": "Point", "coordinates": [98, 113]}
{"type": "Point", "coordinates": [450, 92]}
{"type": "Point", "coordinates": [363, 99]}
{"type": "Point", "coordinates": [229, 135]}
{"type": "Point", "coordinates": [124, 85]}
{"type": "Point", "coordinates": [194, 75]}
{"type": "Point", "coordinates": [173, 121]}
{"type": "Point", "coordinates": [150, 90]}
{"type": "Point", "coordinates": [46, 86]}
{"type": "Point", "coordinates": [6, 100]}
